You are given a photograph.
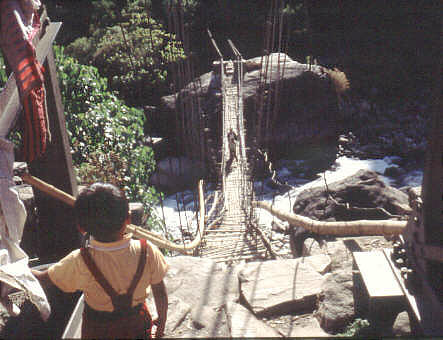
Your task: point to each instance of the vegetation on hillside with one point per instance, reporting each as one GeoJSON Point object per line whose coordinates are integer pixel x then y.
{"type": "Point", "coordinates": [131, 49]}
{"type": "Point", "coordinates": [106, 136]}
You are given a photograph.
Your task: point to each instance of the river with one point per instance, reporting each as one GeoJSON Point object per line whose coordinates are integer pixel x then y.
{"type": "Point", "coordinates": [179, 209]}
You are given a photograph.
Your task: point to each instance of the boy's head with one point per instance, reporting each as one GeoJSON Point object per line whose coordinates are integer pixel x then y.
{"type": "Point", "coordinates": [101, 209]}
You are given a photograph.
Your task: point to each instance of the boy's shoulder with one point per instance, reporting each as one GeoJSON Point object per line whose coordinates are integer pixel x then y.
{"type": "Point", "coordinates": [150, 247]}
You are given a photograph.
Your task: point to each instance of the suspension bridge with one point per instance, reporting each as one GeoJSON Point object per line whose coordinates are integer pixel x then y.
{"type": "Point", "coordinates": [230, 236]}
{"type": "Point", "coordinates": [229, 230]}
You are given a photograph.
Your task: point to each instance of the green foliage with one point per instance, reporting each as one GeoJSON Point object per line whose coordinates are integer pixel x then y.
{"type": "Point", "coordinates": [106, 136]}
{"type": "Point", "coordinates": [3, 76]}
{"type": "Point", "coordinates": [356, 328]}
{"type": "Point", "coordinates": [131, 49]}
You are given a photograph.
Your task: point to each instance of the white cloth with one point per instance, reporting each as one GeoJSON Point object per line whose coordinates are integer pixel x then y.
{"type": "Point", "coordinates": [14, 268]}
{"type": "Point", "coordinates": [13, 212]}
{"type": "Point", "coordinates": [17, 274]}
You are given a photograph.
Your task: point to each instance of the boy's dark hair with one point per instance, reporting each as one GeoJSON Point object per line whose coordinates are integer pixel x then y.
{"type": "Point", "coordinates": [101, 209]}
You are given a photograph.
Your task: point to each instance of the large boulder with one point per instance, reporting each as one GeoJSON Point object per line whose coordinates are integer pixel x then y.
{"type": "Point", "coordinates": [362, 196]}
{"type": "Point", "coordinates": [280, 286]}
{"type": "Point", "coordinates": [336, 306]}
{"type": "Point", "coordinates": [307, 109]}
{"type": "Point", "coordinates": [307, 104]}
{"type": "Point", "coordinates": [402, 325]}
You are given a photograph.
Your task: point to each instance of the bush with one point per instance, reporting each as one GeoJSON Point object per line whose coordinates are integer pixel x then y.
{"type": "Point", "coordinates": [3, 76]}
{"type": "Point", "coordinates": [106, 136]}
{"type": "Point", "coordinates": [133, 51]}
{"type": "Point", "coordinates": [357, 328]}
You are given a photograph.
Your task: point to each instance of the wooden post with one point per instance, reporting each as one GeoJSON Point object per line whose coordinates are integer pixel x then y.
{"type": "Point", "coordinates": [57, 231]}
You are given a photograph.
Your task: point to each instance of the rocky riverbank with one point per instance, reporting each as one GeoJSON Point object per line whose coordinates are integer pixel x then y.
{"type": "Point", "coordinates": [311, 296]}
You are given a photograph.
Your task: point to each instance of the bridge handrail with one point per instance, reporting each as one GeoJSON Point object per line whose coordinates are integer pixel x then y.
{"type": "Point", "coordinates": [156, 239]}
{"type": "Point", "coordinates": [339, 228]}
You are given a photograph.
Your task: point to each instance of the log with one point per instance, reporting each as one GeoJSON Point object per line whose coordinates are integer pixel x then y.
{"type": "Point", "coordinates": [156, 239]}
{"type": "Point", "coordinates": [347, 228]}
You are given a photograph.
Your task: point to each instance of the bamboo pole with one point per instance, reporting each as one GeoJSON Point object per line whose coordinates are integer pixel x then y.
{"type": "Point", "coordinates": [138, 232]}
{"type": "Point", "coordinates": [347, 228]}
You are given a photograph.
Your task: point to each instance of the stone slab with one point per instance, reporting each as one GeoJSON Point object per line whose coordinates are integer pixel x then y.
{"type": "Point", "coordinates": [306, 327]}
{"type": "Point", "coordinates": [243, 324]}
{"type": "Point", "coordinates": [321, 263]}
{"type": "Point", "coordinates": [199, 280]}
{"type": "Point", "coordinates": [279, 286]}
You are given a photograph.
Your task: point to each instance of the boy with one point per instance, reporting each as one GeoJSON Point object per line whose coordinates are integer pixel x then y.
{"type": "Point", "coordinates": [113, 272]}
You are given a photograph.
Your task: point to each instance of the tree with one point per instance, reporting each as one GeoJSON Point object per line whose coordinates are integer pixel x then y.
{"type": "Point", "coordinates": [133, 51]}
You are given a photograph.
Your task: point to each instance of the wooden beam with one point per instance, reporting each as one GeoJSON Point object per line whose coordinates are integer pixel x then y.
{"type": "Point", "coordinates": [377, 275]}
{"type": "Point", "coordinates": [58, 233]}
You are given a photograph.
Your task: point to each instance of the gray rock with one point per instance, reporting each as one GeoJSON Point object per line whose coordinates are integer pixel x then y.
{"type": "Point", "coordinates": [279, 286]}
{"type": "Point", "coordinates": [194, 279]}
{"type": "Point", "coordinates": [203, 316]}
{"type": "Point", "coordinates": [243, 324]}
{"type": "Point", "coordinates": [177, 312]}
{"type": "Point", "coordinates": [209, 322]}
{"type": "Point", "coordinates": [394, 171]}
{"type": "Point", "coordinates": [306, 94]}
{"type": "Point", "coordinates": [311, 247]}
{"type": "Point", "coordinates": [363, 190]}
{"type": "Point", "coordinates": [336, 307]}
{"type": "Point", "coordinates": [321, 262]}
{"type": "Point", "coordinates": [341, 256]}
{"type": "Point", "coordinates": [207, 287]}
{"type": "Point", "coordinates": [304, 326]}
{"type": "Point", "coordinates": [402, 325]}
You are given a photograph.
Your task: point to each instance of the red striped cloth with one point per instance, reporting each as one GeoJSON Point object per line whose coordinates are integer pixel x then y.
{"type": "Point", "coordinates": [18, 27]}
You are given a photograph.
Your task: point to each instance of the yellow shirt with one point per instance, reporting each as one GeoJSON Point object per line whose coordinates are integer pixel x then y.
{"type": "Point", "coordinates": [118, 262]}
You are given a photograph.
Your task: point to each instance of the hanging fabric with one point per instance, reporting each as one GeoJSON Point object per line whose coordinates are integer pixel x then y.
{"type": "Point", "coordinates": [20, 23]}
{"type": "Point", "coordinates": [14, 267]}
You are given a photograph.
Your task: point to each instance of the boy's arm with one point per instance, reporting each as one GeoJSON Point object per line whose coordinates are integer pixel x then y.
{"type": "Point", "coordinates": [161, 303]}
{"type": "Point", "coordinates": [43, 278]}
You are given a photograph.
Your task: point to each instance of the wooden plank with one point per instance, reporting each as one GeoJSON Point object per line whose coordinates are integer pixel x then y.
{"type": "Point", "coordinates": [73, 329]}
{"type": "Point", "coordinates": [57, 230]}
{"type": "Point", "coordinates": [432, 186]}
{"type": "Point", "coordinates": [9, 105]}
{"type": "Point", "coordinates": [377, 274]}
{"type": "Point", "coordinates": [9, 98]}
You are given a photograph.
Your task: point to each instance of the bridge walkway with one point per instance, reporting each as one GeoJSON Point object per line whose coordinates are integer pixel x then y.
{"type": "Point", "coordinates": [232, 239]}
